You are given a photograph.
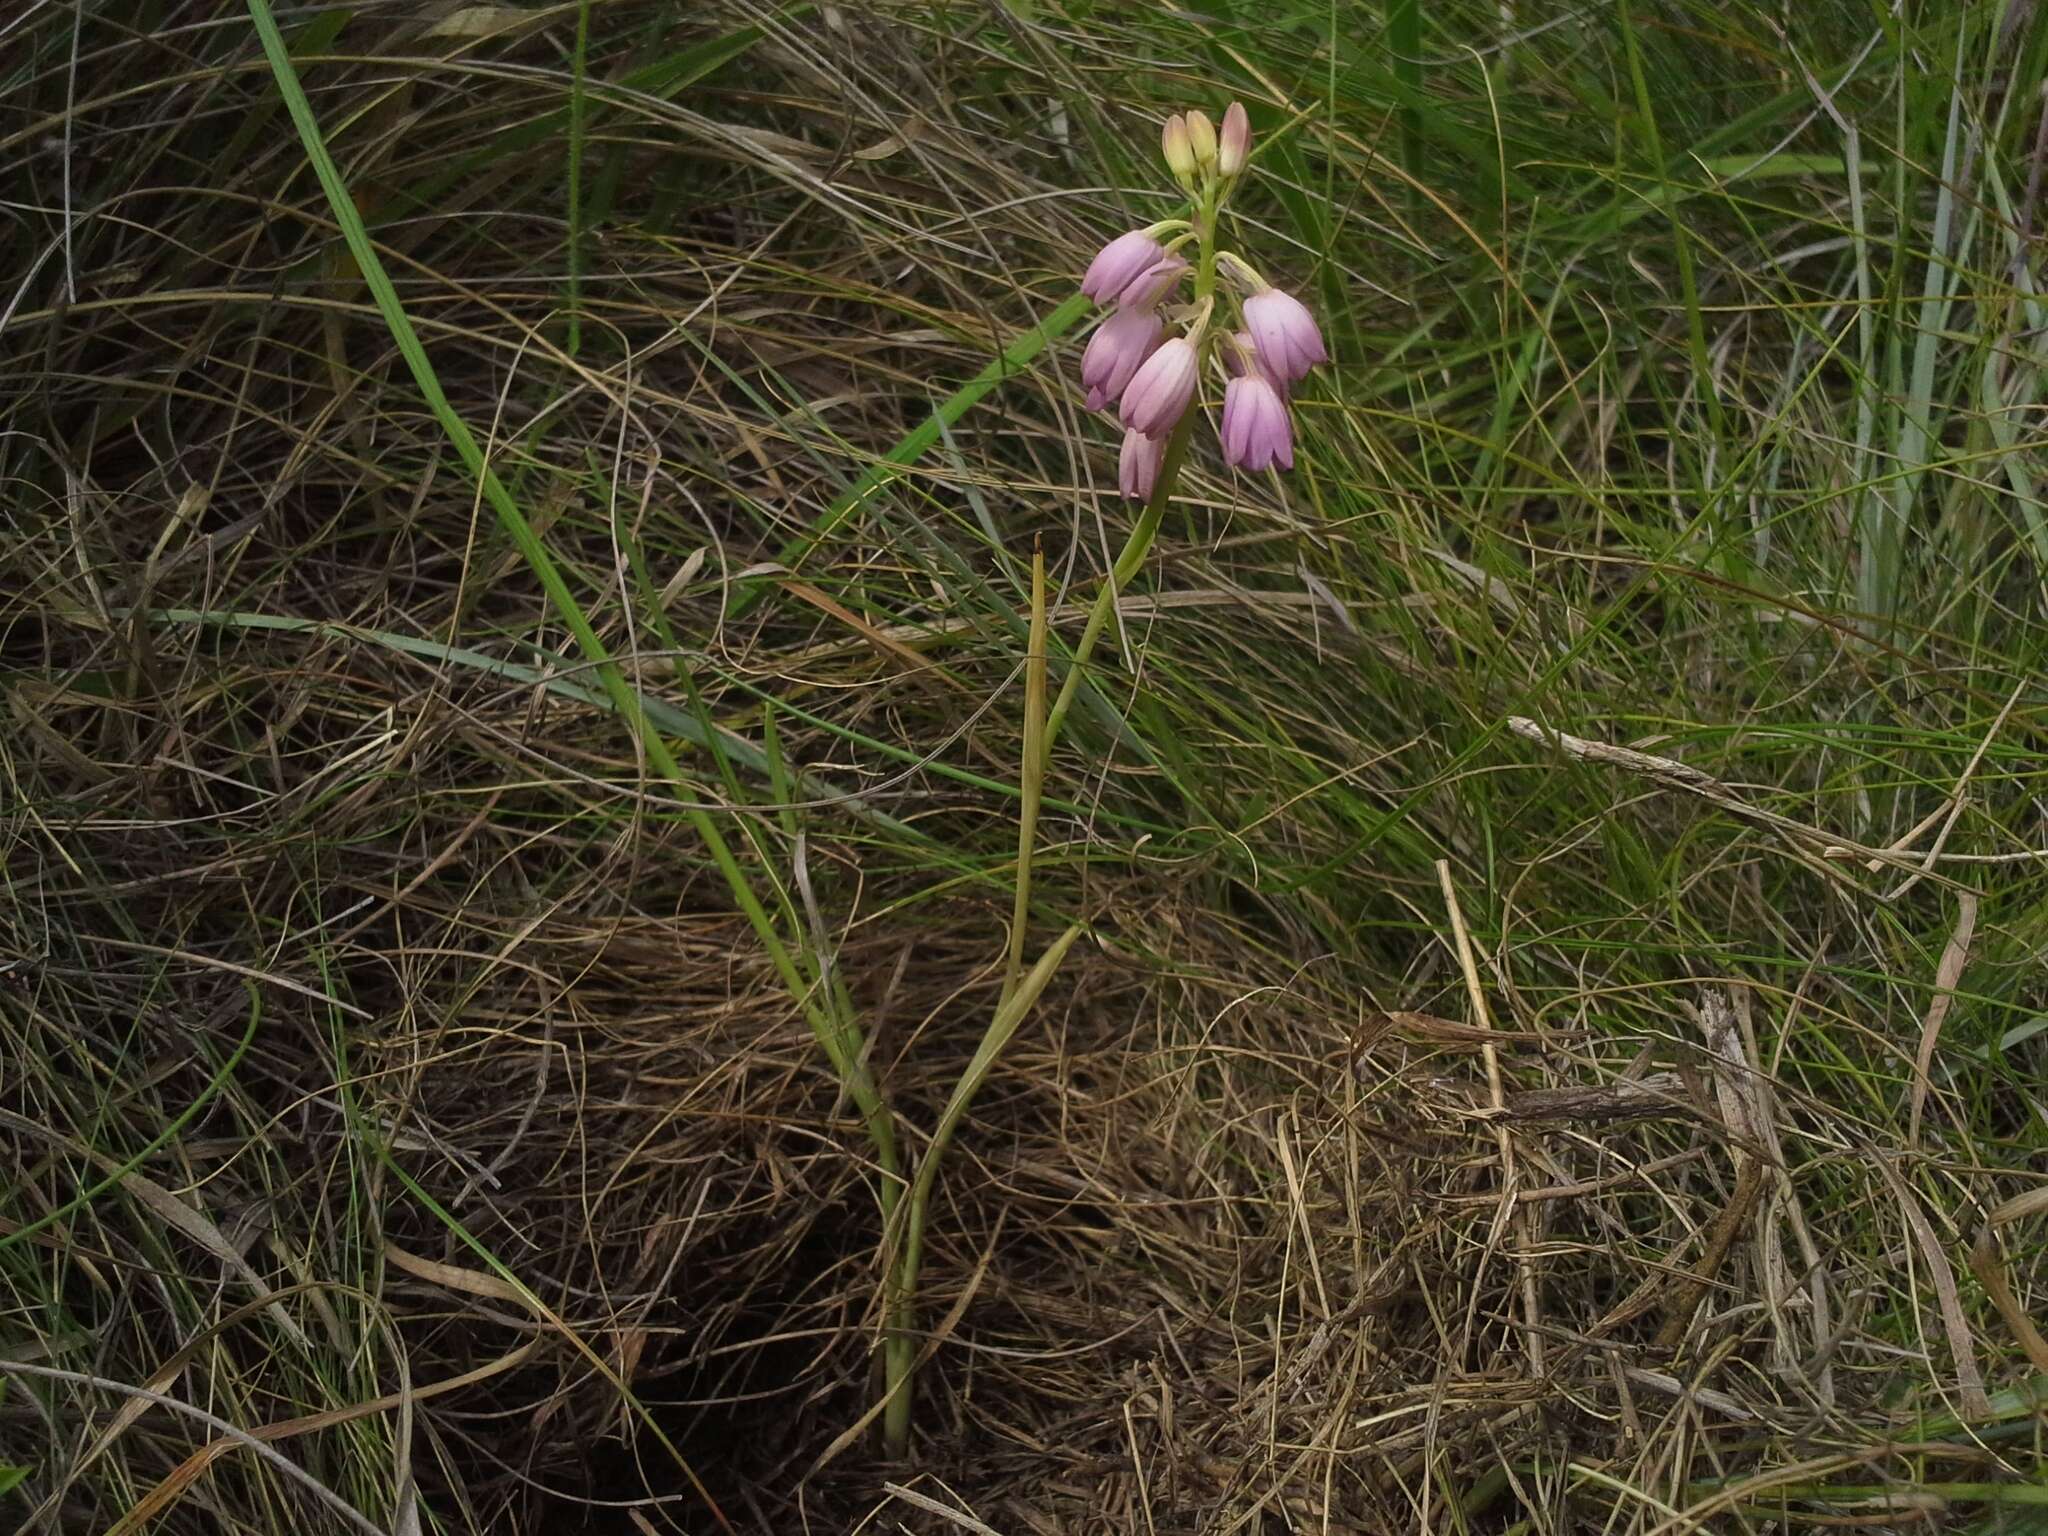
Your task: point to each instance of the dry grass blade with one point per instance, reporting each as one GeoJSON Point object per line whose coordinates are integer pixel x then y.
{"type": "Point", "coordinates": [1947, 976]}
{"type": "Point", "coordinates": [1986, 1265]}
{"type": "Point", "coordinates": [946, 1512]}
{"type": "Point", "coordinates": [1941, 1275]}
{"type": "Point", "coordinates": [181, 1479]}
{"type": "Point", "coordinates": [233, 1435]}
{"type": "Point", "coordinates": [1510, 1207]}
{"type": "Point", "coordinates": [1819, 849]}
{"type": "Point", "coordinates": [169, 1209]}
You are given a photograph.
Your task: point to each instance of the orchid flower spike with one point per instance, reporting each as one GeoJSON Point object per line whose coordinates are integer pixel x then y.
{"type": "Point", "coordinates": [1148, 359]}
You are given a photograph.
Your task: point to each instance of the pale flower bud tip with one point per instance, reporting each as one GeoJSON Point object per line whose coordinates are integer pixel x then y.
{"type": "Point", "coordinates": [1202, 139]}
{"type": "Point", "coordinates": [1173, 141]}
{"type": "Point", "coordinates": [1235, 142]}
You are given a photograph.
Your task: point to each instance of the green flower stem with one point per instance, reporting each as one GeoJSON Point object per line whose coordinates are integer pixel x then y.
{"type": "Point", "coordinates": [1020, 991]}
{"type": "Point", "coordinates": [1031, 780]}
{"type": "Point", "coordinates": [899, 1280]}
{"type": "Point", "coordinates": [1205, 232]}
{"type": "Point", "coordinates": [1120, 575]}
{"type": "Point", "coordinates": [900, 1351]}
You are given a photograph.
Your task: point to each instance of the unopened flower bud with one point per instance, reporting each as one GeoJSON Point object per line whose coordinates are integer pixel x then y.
{"type": "Point", "coordinates": [1235, 142]}
{"type": "Point", "coordinates": [1202, 139]}
{"type": "Point", "coordinates": [1180, 155]}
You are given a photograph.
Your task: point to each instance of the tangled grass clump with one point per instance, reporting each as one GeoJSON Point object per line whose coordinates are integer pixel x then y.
{"type": "Point", "coordinates": [1553, 1040]}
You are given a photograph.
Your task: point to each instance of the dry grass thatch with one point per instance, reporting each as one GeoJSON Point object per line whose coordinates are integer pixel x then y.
{"type": "Point", "coordinates": [385, 1074]}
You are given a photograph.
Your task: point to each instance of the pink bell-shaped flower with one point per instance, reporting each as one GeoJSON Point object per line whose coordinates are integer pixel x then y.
{"type": "Point", "coordinates": [1285, 334]}
{"type": "Point", "coordinates": [1158, 395]}
{"type": "Point", "coordinates": [1257, 433]}
{"type": "Point", "coordinates": [1118, 264]}
{"type": "Point", "coordinates": [1115, 352]}
{"type": "Point", "coordinates": [1153, 284]}
{"type": "Point", "coordinates": [1242, 356]}
{"type": "Point", "coordinates": [1137, 466]}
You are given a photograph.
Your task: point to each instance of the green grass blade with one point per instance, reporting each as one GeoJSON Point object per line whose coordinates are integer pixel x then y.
{"type": "Point", "coordinates": [162, 1139]}
{"type": "Point", "coordinates": [665, 78]}
{"type": "Point", "coordinates": [625, 699]}
{"type": "Point", "coordinates": [578, 115]}
{"type": "Point", "coordinates": [1917, 443]}
{"type": "Point", "coordinates": [1016, 357]}
{"type": "Point", "coordinates": [1404, 44]}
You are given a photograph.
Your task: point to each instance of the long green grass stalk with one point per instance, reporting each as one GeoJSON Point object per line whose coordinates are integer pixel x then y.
{"type": "Point", "coordinates": [1404, 63]}
{"type": "Point", "coordinates": [1915, 441]}
{"type": "Point", "coordinates": [839, 1036]}
{"type": "Point", "coordinates": [918, 441]}
{"type": "Point", "coordinates": [845, 1053]}
{"type": "Point", "coordinates": [578, 117]}
{"type": "Point", "coordinates": [1681, 240]}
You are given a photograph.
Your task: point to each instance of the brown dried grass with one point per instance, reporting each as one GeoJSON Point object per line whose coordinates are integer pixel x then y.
{"type": "Point", "coordinates": [1227, 1245]}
